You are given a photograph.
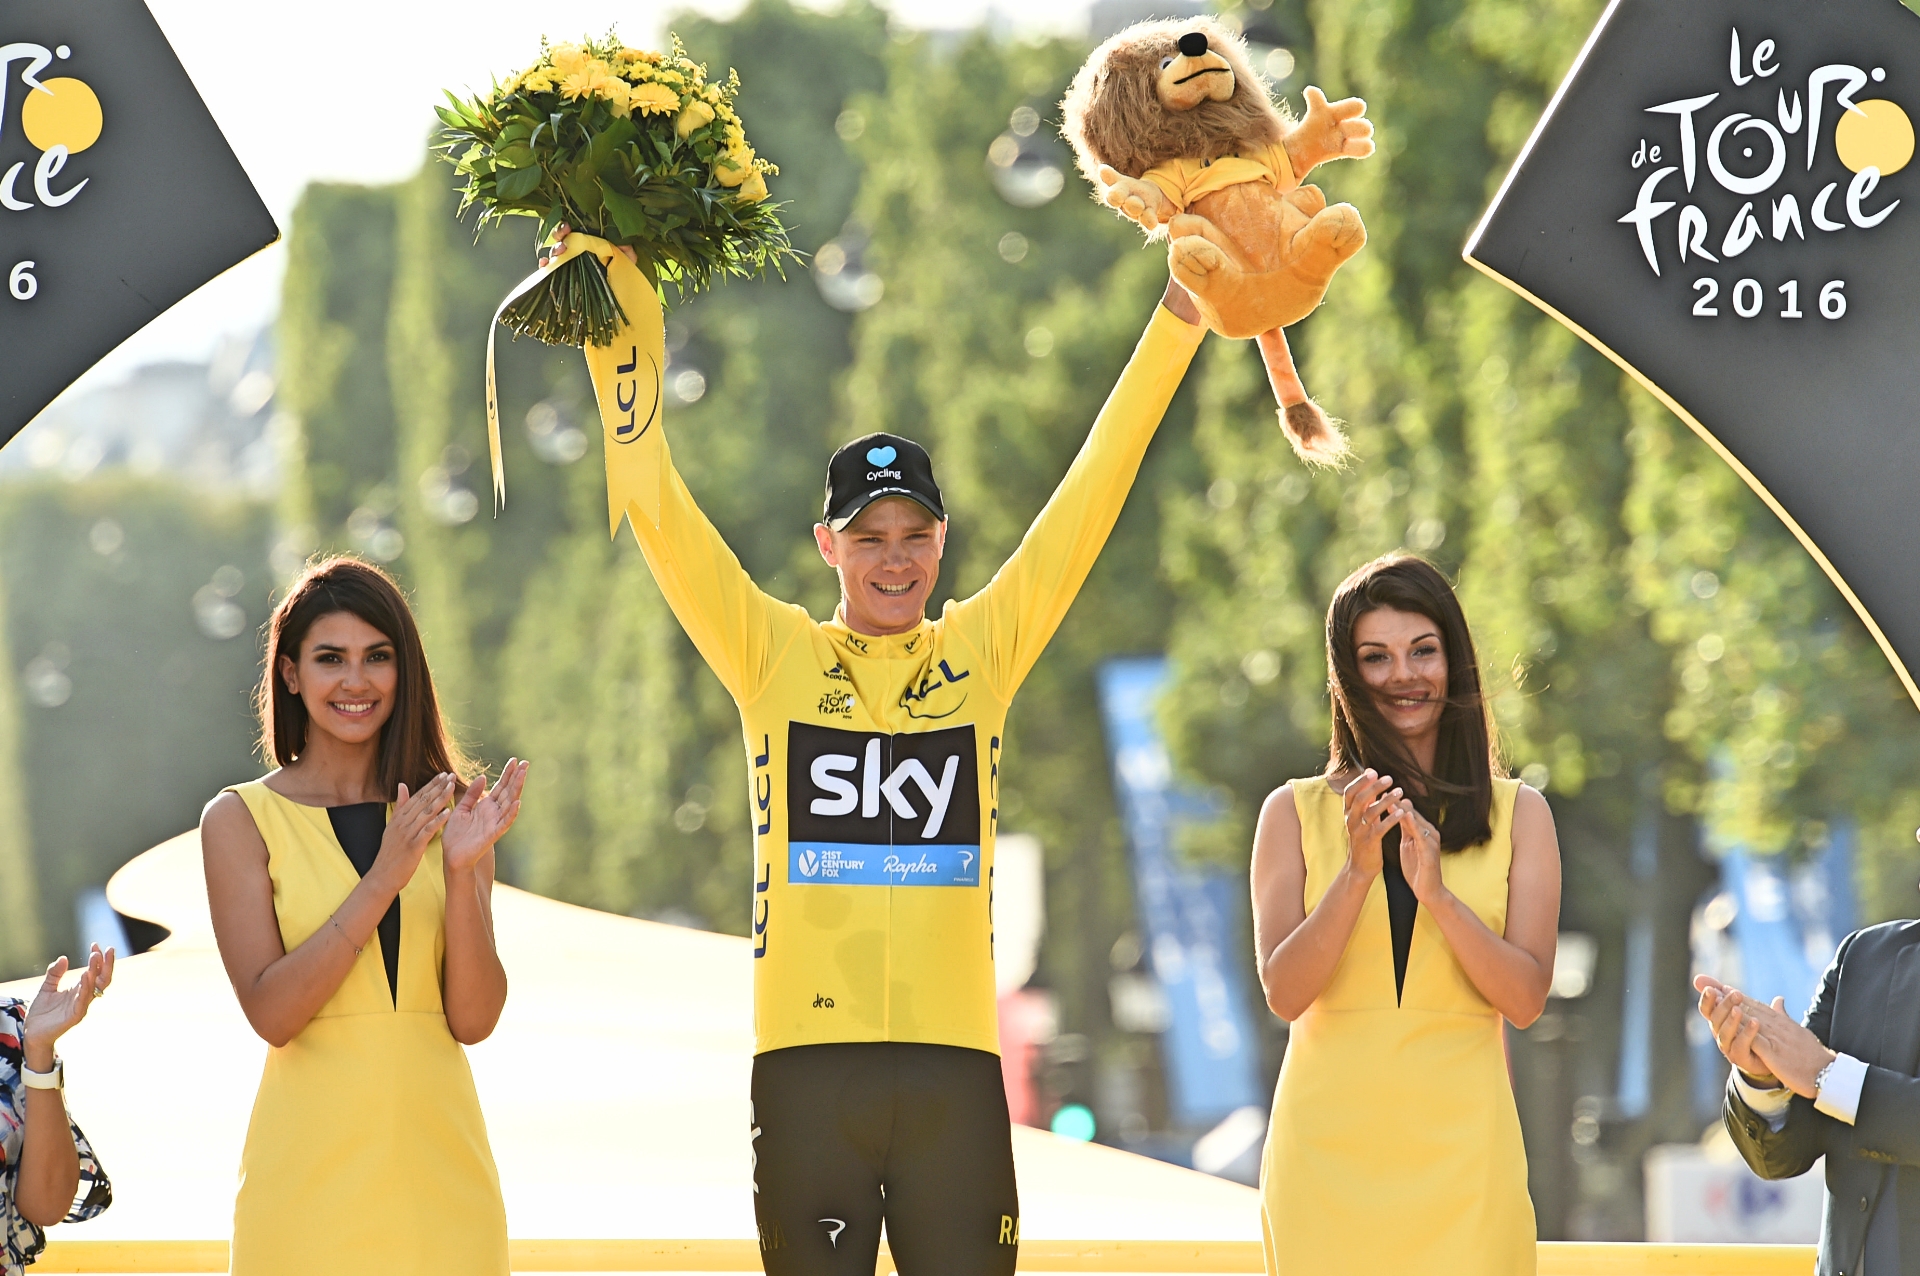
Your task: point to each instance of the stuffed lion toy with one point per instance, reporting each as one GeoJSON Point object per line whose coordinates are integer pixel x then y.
{"type": "Point", "coordinates": [1175, 131]}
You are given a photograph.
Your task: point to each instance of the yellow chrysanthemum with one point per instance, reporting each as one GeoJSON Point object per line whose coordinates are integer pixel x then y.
{"type": "Point", "coordinates": [754, 189]}
{"type": "Point", "coordinates": [735, 135]}
{"type": "Point", "coordinates": [539, 80]}
{"type": "Point", "coordinates": [711, 94]}
{"type": "Point", "coordinates": [694, 115]}
{"type": "Point", "coordinates": [638, 55]}
{"type": "Point", "coordinates": [654, 99]}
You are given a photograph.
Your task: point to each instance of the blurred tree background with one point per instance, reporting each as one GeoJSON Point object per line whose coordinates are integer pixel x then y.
{"type": "Point", "coordinates": [1667, 664]}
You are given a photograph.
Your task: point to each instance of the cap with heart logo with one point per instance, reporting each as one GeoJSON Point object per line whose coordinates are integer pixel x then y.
{"type": "Point", "coordinates": [876, 466]}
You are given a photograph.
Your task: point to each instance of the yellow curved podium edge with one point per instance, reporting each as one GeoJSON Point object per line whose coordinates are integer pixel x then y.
{"type": "Point", "coordinates": [1557, 1258]}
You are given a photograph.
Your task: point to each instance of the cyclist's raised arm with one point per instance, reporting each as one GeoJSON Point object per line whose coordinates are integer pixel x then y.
{"type": "Point", "coordinates": [729, 618]}
{"type": "Point", "coordinates": [1014, 616]}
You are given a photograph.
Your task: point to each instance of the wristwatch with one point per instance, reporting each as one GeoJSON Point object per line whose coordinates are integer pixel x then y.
{"type": "Point", "coordinates": [1820, 1077]}
{"type": "Point", "coordinates": [53, 1080]}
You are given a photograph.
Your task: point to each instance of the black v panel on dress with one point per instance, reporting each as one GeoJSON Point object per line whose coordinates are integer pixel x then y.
{"type": "Point", "coordinates": [1402, 906]}
{"type": "Point", "coordinates": [359, 829]}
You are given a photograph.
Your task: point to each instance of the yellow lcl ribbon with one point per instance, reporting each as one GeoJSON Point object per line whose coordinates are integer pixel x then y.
{"type": "Point", "coordinates": [627, 383]}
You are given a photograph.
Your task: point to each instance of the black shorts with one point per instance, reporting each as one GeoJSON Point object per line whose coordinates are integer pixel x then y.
{"type": "Point", "coordinates": [849, 1134]}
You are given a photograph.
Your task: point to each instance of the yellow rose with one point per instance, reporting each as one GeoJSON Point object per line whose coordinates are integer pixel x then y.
{"type": "Point", "coordinates": [694, 115]}
{"type": "Point", "coordinates": [735, 166]}
{"type": "Point", "coordinates": [569, 59]}
{"type": "Point", "coordinates": [754, 189]}
{"type": "Point", "coordinates": [654, 99]}
{"type": "Point", "coordinates": [711, 94]}
{"type": "Point", "coordinates": [613, 90]}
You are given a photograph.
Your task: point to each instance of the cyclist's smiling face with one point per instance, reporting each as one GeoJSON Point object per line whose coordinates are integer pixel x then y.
{"type": "Point", "coordinates": [888, 559]}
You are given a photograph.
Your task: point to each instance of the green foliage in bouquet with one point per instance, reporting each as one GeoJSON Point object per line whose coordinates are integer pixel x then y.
{"type": "Point", "coordinates": [633, 146]}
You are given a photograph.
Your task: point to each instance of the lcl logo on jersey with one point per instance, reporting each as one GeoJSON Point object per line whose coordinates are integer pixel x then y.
{"type": "Point", "coordinates": [870, 809]}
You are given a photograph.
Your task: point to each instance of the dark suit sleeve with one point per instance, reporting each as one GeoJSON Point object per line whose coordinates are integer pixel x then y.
{"type": "Point", "coordinates": [1795, 1146]}
{"type": "Point", "coordinates": [1887, 1125]}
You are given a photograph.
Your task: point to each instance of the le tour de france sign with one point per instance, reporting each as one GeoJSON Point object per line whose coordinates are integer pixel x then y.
{"type": "Point", "coordinates": [1721, 198]}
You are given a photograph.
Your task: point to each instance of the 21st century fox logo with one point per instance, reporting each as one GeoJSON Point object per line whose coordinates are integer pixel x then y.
{"type": "Point", "coordinates": [1722, 181]}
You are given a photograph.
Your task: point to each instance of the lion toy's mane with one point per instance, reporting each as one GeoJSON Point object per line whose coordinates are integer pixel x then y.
{"type": "Point", "coordinates": [1112, 114]}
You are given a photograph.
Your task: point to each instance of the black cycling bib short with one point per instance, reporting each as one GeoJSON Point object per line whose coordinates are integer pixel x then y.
{"type": "Point", "coordinates": [848, 1135]}
{"type": "Point", "coordinates": [873, 773]}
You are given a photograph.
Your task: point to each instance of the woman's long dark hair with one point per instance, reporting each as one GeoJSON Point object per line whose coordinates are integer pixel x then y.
{"type": "Point", "coordinates": [415, 745]}
{"type": "Point", "coordinates": [1458, 795]}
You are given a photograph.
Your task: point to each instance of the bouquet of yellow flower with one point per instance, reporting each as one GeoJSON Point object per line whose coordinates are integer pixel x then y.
{"type": "Point", "coordinates": [630, 146]}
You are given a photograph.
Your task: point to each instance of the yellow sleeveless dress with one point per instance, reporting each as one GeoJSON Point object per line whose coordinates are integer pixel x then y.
{"type": "Point", "coordinates": [367, 1152]}
{"type": "Point", "coordinates": [1394, 1145]}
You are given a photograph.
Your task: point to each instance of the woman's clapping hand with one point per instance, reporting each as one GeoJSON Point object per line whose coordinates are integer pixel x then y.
{"type": "Point", "coordinates": [482, 817]}
{"type": "Point", "coordinates": [1371, 804]}
{"type": "Point", "coordinates": [1419, 852]}
{"type": "Point", "coordinates": [416, 818]}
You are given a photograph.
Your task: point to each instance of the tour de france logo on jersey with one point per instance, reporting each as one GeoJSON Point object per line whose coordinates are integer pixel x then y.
{"type": "Point", "coordinates": [1783, 144]}
{"type": "Point", "coordinates": [870, 809]}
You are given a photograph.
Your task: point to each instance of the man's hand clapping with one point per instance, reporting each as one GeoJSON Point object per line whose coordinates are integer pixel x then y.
{"type": "Point", "coordinates": [1762, 1041]}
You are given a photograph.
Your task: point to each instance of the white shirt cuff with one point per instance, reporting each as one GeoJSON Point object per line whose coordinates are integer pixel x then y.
{"type": "Point", "coordinates": [1839, 1097]}
{"type": "Point", "coordinates": [1770, 1102]}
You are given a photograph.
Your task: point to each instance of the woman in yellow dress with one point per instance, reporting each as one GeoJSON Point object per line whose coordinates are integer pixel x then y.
{"type": "Point", "coordinates": [1405, 902]}
{"type": "Point", "coordinates": [351, 896]}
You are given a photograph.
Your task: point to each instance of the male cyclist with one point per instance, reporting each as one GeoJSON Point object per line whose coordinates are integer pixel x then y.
{"type": "Point", "coordinates": [873, 745]}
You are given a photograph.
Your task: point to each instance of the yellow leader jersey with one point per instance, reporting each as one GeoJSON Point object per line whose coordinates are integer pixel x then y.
{"type": "Point", "coordinates": [874, 761]}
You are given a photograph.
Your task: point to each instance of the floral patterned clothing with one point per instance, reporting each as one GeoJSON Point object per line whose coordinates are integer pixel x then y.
{"type": "Point", "coordinates": [21, 1241]}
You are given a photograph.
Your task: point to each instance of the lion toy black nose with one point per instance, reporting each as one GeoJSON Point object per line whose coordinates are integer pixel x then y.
{"type": "Point", "coordinates": [1193, 43]}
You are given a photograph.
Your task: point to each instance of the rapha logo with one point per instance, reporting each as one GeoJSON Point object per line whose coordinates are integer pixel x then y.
{"type": "Point", "coordinates": [1734, 179]}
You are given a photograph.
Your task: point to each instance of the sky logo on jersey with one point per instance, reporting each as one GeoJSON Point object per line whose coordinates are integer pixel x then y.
{"type": "Point", "coordinates": [870, 809]}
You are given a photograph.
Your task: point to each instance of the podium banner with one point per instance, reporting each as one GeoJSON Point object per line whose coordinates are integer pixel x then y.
{"type": "Point", "coordinates": [118, 193]}
{"type": "Point", "coordinates": [1721, 198]}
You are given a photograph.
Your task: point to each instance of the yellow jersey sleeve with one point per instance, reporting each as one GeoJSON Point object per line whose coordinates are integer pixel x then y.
{"type": "Point", "coordinates": [1010, 621]}
{"type": "Point", "coordinates": [735, 626]}
{"type": "Point", "coordinates": [733, 623]}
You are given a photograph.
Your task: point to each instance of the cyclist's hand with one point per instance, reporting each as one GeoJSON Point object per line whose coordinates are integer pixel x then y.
{"type": "Point", "coordinates": [558, 244]}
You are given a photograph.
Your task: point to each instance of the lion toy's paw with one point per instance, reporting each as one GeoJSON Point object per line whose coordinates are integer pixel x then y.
{"type": "Point", "coordinates": [1196, 262]}
{"type": "Point", "coordinates": [1140, 202]}
{"type": "Point", "coordinates": [1329, 239]}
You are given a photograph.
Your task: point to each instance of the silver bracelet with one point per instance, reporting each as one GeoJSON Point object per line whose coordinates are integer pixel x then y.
{"type": "Point", "coordinates": [357, 948]}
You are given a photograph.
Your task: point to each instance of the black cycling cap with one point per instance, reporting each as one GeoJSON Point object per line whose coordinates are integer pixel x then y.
{"type": "Point", "coordinates": [878, 465]}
